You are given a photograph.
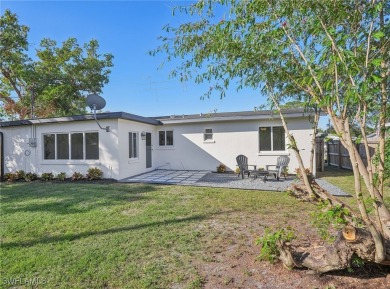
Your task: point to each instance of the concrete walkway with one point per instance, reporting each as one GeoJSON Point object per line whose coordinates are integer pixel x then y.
{"type": "Point", "coordinates": [209, 179]}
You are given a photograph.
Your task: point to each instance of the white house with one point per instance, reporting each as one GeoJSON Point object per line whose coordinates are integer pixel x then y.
{"type": "Point", "coordinates": [136, 144]}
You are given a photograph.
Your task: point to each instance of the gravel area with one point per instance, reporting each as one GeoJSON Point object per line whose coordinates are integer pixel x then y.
{"type": "Point", "coordinates": [334, 190]}
{"type": "Point", "coordinates": [234, 182]}
{"type": "Point", "coordinates": [229, 180]}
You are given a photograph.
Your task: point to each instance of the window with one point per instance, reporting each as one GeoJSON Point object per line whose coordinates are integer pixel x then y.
{"type": "Point", "coordinates": [77, 144]}
{"type": "Point", "coordinates": [62, 146]}
{"type": "Point", "coordinates": [73, 146]}
{"type": "Point", "coordinates": [272, 139]}
{"type": "Point", "coordinates": [49, 145]}
{"type": "Point", "coordinates": [91, 146]}
{"type": "Point", "coordinates": [208, 134]}
{"type": "Point", "coordinates": [133, 145]}
{"type": "Point", "coordinates": [165, 138]}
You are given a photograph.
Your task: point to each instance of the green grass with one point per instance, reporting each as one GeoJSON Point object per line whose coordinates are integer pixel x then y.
{"type": "Point", "coordinates": [344, 179]}
{"type": "Point", "coordinates": [68, 235]}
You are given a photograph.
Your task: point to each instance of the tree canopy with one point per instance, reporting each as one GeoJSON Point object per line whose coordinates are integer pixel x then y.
{"type": "Point", "coordinates": [333, 55]}
{"type": "Point", "coordinates": [55, 80]}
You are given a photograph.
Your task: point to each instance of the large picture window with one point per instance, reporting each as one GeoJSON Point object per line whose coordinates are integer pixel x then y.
{"type": "Point", "coordinates": [133, 145]}
{"type": "Point", "coordinates": [73, 146]}
{"type": "Point", "coordinates": [165, 138]}
{"type": "Point", "coordinates": [272, 139]}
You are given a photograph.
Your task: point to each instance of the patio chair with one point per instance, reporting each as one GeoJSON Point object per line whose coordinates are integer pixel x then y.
{"type": "Point", "coordinates": [242, 163]}
{"type": "Point", "coordinates": [278, 170]}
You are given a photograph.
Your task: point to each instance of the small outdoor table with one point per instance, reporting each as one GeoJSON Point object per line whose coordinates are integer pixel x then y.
{"type": "Point", "coordinates": [257, 174]}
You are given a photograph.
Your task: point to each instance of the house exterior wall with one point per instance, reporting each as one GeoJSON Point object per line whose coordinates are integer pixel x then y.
{"type": "Point", "coordinates": [189, 150]}
{"type": "Point", "coordinates": [134, 166]}
{"type": "Point", "coordinates": [230, 139]}
{"type": "Point", "coordinates": [18, 155]}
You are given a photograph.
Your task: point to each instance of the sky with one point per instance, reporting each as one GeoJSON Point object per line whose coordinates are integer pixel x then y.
{"type": "Point", "coordinates": [128, 30]}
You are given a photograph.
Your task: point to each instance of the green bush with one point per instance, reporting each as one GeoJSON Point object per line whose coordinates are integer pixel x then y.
{"type": "Point", "coordinates": [10, 177]}
{"type": "Point", "coordinates": [47, 177]}
{"type": "Point", "coordinates": [61, 176]}
{"type": "Point", "coordinates": [77, 176]}
{"type": "Point", "coordinates": [20, 174]}
{"type": "Point", "coordinates": [269, 250]}
{"type": "Point", "coordinates": [325, 217]}
{"type": "Point", "coordinates": [28, 177]}
{"type": "Point", "coordinates": [94, 174]}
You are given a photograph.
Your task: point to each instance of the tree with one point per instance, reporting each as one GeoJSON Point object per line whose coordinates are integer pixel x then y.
{"type": "Point", "coordinates": [332, 54]}
{"type": "Point", "coordinates": [55, 82]}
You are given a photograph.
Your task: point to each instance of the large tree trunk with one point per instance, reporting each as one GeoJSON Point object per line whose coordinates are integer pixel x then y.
{"type": "Point", "coordinates": [337, 256]}
{"type": "Point", "coordinates": [351, 240]}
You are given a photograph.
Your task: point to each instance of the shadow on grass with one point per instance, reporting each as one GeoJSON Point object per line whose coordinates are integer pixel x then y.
{"type": "Point", "coordinates": [68, 198]}
{"type": "Point", "coordinates": [73, 237]}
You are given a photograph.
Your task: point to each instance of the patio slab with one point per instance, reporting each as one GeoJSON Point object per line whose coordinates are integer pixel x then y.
{"type": "Point", "coordinates": [209, 179]}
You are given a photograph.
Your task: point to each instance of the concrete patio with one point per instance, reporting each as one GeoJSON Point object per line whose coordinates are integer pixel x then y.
{"type": "Point", "coordinates": [229, 180]}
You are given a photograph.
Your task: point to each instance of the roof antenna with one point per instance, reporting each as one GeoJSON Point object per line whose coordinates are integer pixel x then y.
{"type": "Point", "coordinates": [96, 102]}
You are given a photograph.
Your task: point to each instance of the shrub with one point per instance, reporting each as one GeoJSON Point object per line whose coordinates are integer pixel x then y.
{"type": "Point", "coordinates": [77, 176]}
{"type": "Point", "coordinates": [47, 177]}
{"type": "Point", "coordinates": [326, 216]}
{"type": "Point", "coordinates": [20, 174]}
{"type": "Point", "coordinates": [94, 174]}
{"type": "Point", "coordinates": [61, 176]}
{"type": "Point", "coordinates": [221, 168]}
{"type": "Point", "coordinates": [237, 170]}
{"type": "Point", "coordinates": [28, 177]}
{"type": "Point", "coordinates": [269, 249]}
{"type": "Point", "coordinates": [10, 177]}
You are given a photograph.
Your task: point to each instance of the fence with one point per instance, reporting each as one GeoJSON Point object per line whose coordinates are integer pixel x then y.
{"type": "Point", "coordinates": [338, 155]}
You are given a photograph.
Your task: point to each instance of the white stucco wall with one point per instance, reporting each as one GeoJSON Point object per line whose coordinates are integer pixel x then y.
{"type": "Point", "coordinates": [134, 166]}
{"type": "Point", "coordinates": [230, 139]}
{"type": "Point", "coordinates": [190, 151]}
{"type": "Point", "coordinates": [18, 155]}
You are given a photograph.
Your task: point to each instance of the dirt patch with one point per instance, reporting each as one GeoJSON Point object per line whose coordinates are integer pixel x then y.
{"type": "Point", "coordinates": [230, 258]}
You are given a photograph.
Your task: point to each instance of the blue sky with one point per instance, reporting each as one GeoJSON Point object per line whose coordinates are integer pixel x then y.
{"type": "Point", "coordinates": [128, 30]}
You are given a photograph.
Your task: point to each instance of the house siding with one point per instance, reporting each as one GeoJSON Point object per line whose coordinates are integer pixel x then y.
{"type": "Point", "coordinates": [131, 167]}
{"type": "Point", "coordinates": [20, 156]}
{"type": "Point", "coordinates": [189, 151]}
{"type": "Point", "coordinates": [230, 139]}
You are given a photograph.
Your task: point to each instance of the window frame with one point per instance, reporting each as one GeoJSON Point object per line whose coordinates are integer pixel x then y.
{"type": "Point", "coordinates": [131, 140]}
{"type": "Point", "coordinates": [272, 150]}
{"type": "Point", "coordinates": [69, 159]}
{"type": "Point", "coordinates": [165, 144]}
{"type": "Point", "coordinates": [205, 134]}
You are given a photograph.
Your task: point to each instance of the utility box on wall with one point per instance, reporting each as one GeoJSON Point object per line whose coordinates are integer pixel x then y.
{"type": "Point", "coordinates": [32, 142]}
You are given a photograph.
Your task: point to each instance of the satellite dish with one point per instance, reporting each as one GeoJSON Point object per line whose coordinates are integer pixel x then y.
{"type": "Point", "coordinates": [95, 102]}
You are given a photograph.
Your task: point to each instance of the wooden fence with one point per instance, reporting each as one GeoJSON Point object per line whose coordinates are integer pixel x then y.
{"type": "Point", "coordinates": [338, 155]}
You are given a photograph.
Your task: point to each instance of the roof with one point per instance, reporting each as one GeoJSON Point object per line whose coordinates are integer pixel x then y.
{"type": "Point", "coordinates": [232, 116]}
{"type": "Point", "coordinates": [108, 115]}
{"type": "Point", "coordinates": [173, 119]}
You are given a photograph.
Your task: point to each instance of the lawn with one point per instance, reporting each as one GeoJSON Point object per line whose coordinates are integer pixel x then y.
{"type": "Point", "coordinates": [68, 235]}
{"type": "Point", "coordinates": [111, 235]}
{"type": "Point", "coordinates": [344, 180]}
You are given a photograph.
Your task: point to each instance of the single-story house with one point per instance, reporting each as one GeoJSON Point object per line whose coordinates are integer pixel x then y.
{"type": "Point", "coordinates": [136, 144]}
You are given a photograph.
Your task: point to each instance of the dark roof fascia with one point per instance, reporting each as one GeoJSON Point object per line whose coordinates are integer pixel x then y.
{"type": "Point", "coordinates": [241, 115]}
{"type": "Point", "coordinates": [108, 115]}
